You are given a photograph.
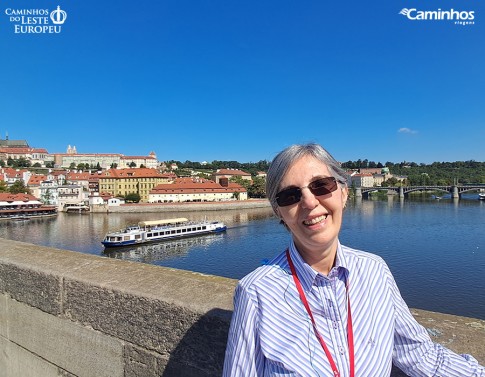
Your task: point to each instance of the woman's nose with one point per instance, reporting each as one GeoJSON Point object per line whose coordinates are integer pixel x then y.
{"type": "Point", "coordinates": [308, 200]}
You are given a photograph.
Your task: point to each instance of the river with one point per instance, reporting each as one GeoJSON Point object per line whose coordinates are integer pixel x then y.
{"type": "Point", "coordinates": [435, 248]}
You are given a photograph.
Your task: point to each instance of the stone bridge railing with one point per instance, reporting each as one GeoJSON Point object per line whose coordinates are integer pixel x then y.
{"type": "Point", "coordinates": [64, 313]}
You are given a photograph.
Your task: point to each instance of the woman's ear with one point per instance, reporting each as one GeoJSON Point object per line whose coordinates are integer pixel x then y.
{"type": "Point", "coordinates": [345, 196]}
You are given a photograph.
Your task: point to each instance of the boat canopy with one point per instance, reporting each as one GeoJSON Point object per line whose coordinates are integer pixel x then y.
{"type": "Point", "coordinates": [163, 222]}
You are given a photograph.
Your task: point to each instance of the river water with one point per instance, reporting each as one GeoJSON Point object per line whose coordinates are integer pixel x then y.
{"type": "Point", "coordinates": [435, 248]}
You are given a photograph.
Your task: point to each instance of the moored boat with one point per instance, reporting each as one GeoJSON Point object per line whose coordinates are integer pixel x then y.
{"type": "Point", "coordinates": [481, 196]}
{"type": "Point", "coordinates": [159, 230]}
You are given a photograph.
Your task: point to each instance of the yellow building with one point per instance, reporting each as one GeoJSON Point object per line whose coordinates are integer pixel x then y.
{"type": "Point", "coordinates": [120, 182]}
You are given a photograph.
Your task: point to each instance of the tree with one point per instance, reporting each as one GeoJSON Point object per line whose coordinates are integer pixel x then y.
{"type": "Point", "coordinates": [114, 165]}
{"type": "Point", "coordinates": [72, 166]}
{"type": "Point", "coordinates": [258, 188]}
{"type": "Point", "coordinates": [132, 164]}
{"type": "Point", "coordinates": [2, 163]}
{"type": "Point", "coordinates": [132, 197]}
{"type": "Point", "coordinates": [49, 164]}
{"type": "Point", "coordinates": [19, 188]}
{"type": "Point", "coordinates": [47, 196]}
{"type": "Point", "coordinates": [3, 186]}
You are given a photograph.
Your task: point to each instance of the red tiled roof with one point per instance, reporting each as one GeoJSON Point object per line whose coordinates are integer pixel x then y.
{"type": "Point", "coordinates": [78, 176]}
{"type": "Point", "coordinates": [7, 197]}
{"type": "Point", "coordinates": [138, 158]}
{"type": "Point", "coordinates": [36, 179]}
{"type": "Point", "coordinates": [230, 172]}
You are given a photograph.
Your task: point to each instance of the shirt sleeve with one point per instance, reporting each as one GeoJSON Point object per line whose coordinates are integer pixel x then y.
{"type": "Point", "coordinates": [243, 353]}
{"type": "Point", "coordinates": [416, 354]}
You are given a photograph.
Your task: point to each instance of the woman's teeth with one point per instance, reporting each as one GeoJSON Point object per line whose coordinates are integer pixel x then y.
{"type": "Point", "coordinates": [316, 220]}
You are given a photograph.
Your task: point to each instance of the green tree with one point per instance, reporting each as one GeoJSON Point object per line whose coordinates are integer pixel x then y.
{"type": "Point", "coordinates": [47, 196]}
{"type": "Point", "coordinates": [132, 164]}
{"type": "Point", "coordinates": [3, 186]}
{"type": "Point", "coordinates": [258, 188]}
{"type": "Point", "coordinates": [132, 197]}
{"type": "Point", "coordinates": [2, 163]}
{"type": "Point", "coordinates": [19, 187]}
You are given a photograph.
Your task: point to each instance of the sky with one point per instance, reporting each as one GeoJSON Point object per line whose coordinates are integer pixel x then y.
{"type": "Point", "coordinates": [205, 80]}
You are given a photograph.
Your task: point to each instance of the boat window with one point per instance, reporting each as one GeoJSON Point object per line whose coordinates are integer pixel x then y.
{"type": "Point", "coordinates": [150, 235]}
{"type": "Point", "coordinates": [137, 236]}
{"type": "Point", "coordinates": [204, 227]}
{"type": "Point", "coordinates": [198, 228]}
{"type": "Point", "coordinates": [172, 231]}
{"type": "Point", "coordinates": [184, 230]}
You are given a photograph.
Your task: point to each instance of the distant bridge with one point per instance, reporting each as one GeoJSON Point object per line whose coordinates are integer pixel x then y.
{"type": "Point", "coordinates": [403, 191]}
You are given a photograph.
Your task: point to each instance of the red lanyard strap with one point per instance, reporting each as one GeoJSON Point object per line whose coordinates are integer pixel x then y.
{"type": "Point", "coordinates": [350, 335]}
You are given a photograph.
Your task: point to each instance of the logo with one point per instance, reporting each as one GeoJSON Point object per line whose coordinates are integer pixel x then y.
{"type": "Point", "coordinates": [36, 21]}
{"type": "Point", "coordinates": [58, 16]}
{"type": "Point", "coordinates": [458, 17]}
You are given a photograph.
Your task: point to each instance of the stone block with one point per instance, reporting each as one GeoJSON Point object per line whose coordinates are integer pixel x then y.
{"type": "Point", "coordinates": [3, 315]}
{"type": "Point", "coordinates": [35, 288]}
{"type": "Point", "coordinates": [142, 363]}
{"type": "Point", "coordinates": [2, 278]}
{"type": "Point", "coordinates": [15, 361]}
{"type": "Point", "coordinates": [194, 339]}
{"type": "Point", "coordinates": [81, 351]}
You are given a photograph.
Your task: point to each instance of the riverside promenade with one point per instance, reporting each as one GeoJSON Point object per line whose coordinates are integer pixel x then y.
{"type": "Point", "coordinates": [183, 207]}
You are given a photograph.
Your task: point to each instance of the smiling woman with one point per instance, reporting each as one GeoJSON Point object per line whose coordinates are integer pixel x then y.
{"type": "Point", "coordinates": [320, 308]}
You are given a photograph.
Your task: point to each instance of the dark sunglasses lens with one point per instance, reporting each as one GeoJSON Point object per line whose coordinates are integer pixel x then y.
{"type": "Point", "coordinates": [288, 197]}
{"type": "Point", "coordinates": [323, 186]}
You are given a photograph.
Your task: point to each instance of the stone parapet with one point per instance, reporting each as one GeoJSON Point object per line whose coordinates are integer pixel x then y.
{"type": "Point", "coordinates": [64, 313]}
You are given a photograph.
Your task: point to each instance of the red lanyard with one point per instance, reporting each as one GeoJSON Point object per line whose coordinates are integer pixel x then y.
{"type": "Point", "coordinates": [350, 334]}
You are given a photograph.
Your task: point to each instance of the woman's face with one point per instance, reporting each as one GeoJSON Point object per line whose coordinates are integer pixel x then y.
{"type": "Point", "coordinates": [315, 220]}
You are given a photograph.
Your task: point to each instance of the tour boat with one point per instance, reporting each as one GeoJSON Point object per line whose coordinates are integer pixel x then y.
{"type": "Point", "coordinates": [160, 230]}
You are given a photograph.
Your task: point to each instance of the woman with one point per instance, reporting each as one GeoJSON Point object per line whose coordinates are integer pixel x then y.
{"type": "Point", "coordinates": [321, 308]}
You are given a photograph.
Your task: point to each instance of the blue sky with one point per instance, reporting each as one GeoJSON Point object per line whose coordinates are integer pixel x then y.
{"type": "Point", "coordinates": [240, 80]}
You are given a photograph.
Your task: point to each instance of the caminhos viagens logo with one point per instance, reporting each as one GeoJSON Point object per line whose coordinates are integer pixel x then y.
{"type": "Point", "coordinates": [36, 21]}
{"type": "Point", "coordinates": [459, 17]}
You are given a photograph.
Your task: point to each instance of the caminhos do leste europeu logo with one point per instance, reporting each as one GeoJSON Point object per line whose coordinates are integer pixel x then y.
{"type": "Point", "coordinates": [36, 21]}
{"type": "Point", "coordinates": [457, 17]}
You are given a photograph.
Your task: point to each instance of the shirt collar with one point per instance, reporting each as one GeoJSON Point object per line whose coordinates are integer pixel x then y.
{"type": "Point", "coordinates": [307, 274]}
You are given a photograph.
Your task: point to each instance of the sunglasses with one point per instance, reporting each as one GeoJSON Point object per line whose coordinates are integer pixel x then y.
{"type": "Point", "coordinates": [292, 195]}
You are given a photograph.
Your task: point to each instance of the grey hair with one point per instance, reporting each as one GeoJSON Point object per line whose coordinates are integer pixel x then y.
{"type": "Point", "coordinates": [285, 159]}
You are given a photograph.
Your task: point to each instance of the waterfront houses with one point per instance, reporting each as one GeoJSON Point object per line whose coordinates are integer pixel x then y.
{"type": "Point", "coordinates": [121, 182]}
{"type": "Point", "coordinates": [197, 190]}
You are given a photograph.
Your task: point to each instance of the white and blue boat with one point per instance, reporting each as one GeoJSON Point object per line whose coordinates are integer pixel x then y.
{"type": "Point", "coordinates": [160, 230]}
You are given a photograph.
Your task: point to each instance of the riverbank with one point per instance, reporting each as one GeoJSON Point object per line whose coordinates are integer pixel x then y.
{"type": "Point", "coordinates": [182, 207]}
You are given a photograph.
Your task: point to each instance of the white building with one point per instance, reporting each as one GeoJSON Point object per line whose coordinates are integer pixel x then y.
{"type": "Point", "coordinates": [70, 194]}
{"type": "Point", "coordinates": [48, 192]}
{"type": "Point", "coordinates": [196, 190]}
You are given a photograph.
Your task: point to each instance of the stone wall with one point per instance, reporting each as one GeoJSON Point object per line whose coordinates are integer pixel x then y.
{"type": "Point", "coordinates": [64, 313]}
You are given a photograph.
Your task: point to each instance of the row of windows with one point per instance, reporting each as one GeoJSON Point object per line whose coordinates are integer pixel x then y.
{"type": "Point", "coordinates": [176, 231]}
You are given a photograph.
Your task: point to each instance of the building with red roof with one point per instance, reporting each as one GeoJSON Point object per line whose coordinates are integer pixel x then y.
{"type": "Point", "coordinates": [121, 182]}
{"type": "Point", "coordinates": [196, 190]}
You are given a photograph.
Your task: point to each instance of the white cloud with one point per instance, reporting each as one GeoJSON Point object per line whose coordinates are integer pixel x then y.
{"type": "Point", "coordinates": [405, 130]}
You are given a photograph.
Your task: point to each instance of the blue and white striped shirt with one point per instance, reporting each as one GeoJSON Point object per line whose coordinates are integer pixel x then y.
{"type": "Point", "coordinates": [271, 333]}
